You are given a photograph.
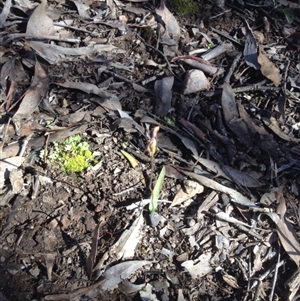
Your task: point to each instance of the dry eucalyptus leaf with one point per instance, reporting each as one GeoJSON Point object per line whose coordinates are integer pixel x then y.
{"type": "Point", "coordinates": [167, 25]}
{"type": "Point", "coordinates": [128, 288]}
{"type": "Point", "coordinates": [230, 173]}
{"type": "Point", "coordinates": [125, 246]}
{"type": "Point", "coordinates": [230, 280]}
{"type": "Point", "coordinates": [286, 232]}
{"type": "Point", "coordinates": [268, 69]}
{"type": "Point", "coordinates": [117, 273]}
{"type": "Point", "coordinates": [33, 96]}
{"type": "Point", "coordinates": [163, 93]}
{"type": "Point", "coordinates": [82, 9]}
{"type": "Point", "coordinates": [250, 50]}
{"type": "Point", "coordinates": [273, 125]}
{"type": "Point", "coordinates": [4, 13]}
{"type": "Point", "coordinates": [7, 166]}
{"type": "Point", "coordinates": [235, 195]}
{"type": "Point", "coordinates": [39, 23]}
{"type": "Point", "coordinates": [190, 189]}
{"type": "Point", "coordinates": [199, 267]}
{"type": "Point", "coordinates": [232, 116]}
{"type": "Point", "coordinates": [195, 81]}
{"type": "Point", "coordinates": [55, 54]}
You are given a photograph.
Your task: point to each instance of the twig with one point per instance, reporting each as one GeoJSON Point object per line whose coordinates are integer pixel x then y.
{"type": "Point", "coordinates": [24, 145]}
{"type": "Point", "coordinates": [275, 278]}
{"type": "Point", "coordinates": [226, 36]}
{"type": "Point", "coordinates": [255, 87]}
{"type": "Point", "coordinates": [78, 29]}
{"type": "Point", "coordinates": [9, 38]}
{"type": "Point", "coordinates": [75, 294]}
{"type": "Point", "coordinates": [232, 67]}
{"type": "Point", "coordinates": [128, 189]}
{"type": "Point", "coordinates": [266, 273]}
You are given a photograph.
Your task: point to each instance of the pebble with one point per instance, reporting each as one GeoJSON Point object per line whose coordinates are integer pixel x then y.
{"type": "Point", "coordinates": [154, 219]}
{"type": "Point", "coordinates": [191, 222]}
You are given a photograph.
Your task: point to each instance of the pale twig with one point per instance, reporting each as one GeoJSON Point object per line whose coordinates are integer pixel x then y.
{"type": "Point", "coordinates": [9, 38]}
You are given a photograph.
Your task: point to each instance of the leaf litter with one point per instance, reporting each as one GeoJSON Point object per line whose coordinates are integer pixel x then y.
{"type": "Point", "coordinates": [227, 203]}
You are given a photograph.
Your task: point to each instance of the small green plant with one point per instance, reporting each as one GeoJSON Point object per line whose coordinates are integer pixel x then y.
{"type": "Point", "coordinates": [157, 189]}
{"type": "Point", "coordinates": [72, 154]}
{"type": "Point", "coordinates": [185, 7]}
{"type": "Point", "coordinates": [169, 120]}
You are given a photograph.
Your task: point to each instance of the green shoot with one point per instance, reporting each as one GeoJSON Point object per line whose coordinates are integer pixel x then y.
{"type": "Point", "coordinates": [157, 189]}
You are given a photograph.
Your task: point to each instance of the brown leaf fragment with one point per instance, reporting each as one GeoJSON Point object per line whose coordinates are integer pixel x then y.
{"type": "Point", "coordinates": [235, 195]}
{"type": "Point", "coordinates": [268, 69]}
{"type": "Point", "coordinates": [194, 129]}
{"type": "Point", "coordinates": [167, 25]}
{"type": "Point", "coordinates": [39, 23]}
{"type": "Point", "coordinates": [250, 50]}
{"type": "Point", "coordinates": [199, 267]}
{"type": "Point", "coordinates": [50, 260]}
{"type": "Point", "coordinates": [112, 101]}
{"type": "Point", "coordinates": [293, 284]}
{"type": "Point", "coordinates": [200, 64]}
{"type": "Point", "coordinates": [232, 117]}
{"type": "Point", "coordinates": [230, 280]}
{"type": "Point", "coordinates": [54, 53]}
{"type": "Point", "coordinates": [163, 93]}
{"type": "Point", "coordinates": [4, 13]}
{"type": "Point", "coordinates": [189, 190]}
{"type": "Point", "coordinates": [117, 273]}
{"type": "Point", "coordinates": [273, 125]}
{"type": "Point", "coordinates": [33, 96]}
{"type": "Point", "coordinates": [286, 233]}
{"type": "Point", "coordinates": [224, 170]}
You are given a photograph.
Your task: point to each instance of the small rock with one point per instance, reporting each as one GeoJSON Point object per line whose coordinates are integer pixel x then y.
{"type": "Point", "coordinates": [154, 219]}
{"type": "Point", "coordinates": [195, 81]}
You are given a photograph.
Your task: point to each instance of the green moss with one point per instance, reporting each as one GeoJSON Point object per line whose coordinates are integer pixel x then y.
{"type": "Point", "coordinates": [184, 7]}
{"type": "Point", "coordinates": [72, 154]}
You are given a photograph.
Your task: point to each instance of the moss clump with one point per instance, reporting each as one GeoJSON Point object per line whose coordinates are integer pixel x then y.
{"type": "Point", "coordinates": [73, 154]}
{"type": "Point", "coordinates": [184, 7]}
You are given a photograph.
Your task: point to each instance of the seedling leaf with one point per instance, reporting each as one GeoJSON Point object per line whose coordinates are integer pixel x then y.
{"type": "Point", "coordinates": [157, 189]}
{"type": "Point", "coordinates": [134, 163]}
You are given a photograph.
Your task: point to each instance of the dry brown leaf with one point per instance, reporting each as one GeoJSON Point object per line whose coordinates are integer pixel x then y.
{"type": "Point", "coordinates": [250, 50]}
{"type": "Point", "coordinates": [287, 234]}
{"type": "Point", "coordinates": [190, 189]}
{"type": "Point", "coordinates": [82, 9]}
{"type": "Point", "coordinates": [4, 13]}
{"type": "Point", "coordinates": [235, 195]}
{"type": "Point", "coordinates": [230, 173]}
{"type": "Point", "coordinates": [273, 125]}
{"type": "Point", "coordinates": [268, 69]}
{"type": "Point", "coordinates": [232, 116]}
{"type": "Point", "coordinates": [33, 96]}
{"type": "Point", "coordinates": [55, 54]}
{"type": "Point", "coordinates": [39, 23]}
{"type": "Point", "coordinates": [163, 93]}
{"type": "Point", "coordinates": [167, 25]}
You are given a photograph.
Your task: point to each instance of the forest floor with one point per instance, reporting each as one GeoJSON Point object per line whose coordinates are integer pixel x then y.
{"type": "Point", "coordinates": [149, 152]}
